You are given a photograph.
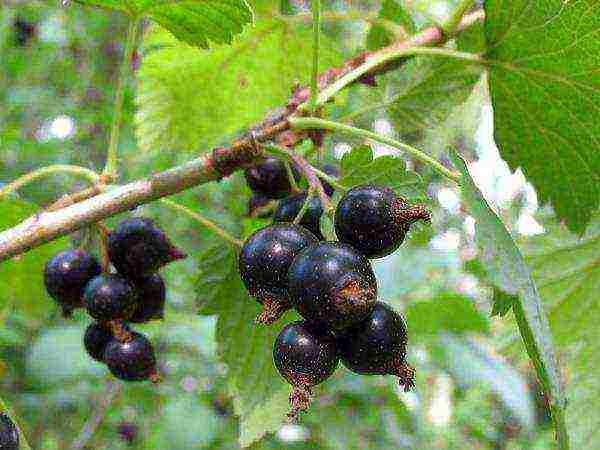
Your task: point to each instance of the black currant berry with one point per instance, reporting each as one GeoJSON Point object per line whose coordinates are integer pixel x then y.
{"type": "Point", "coordinates": [150, 293]}
{"type": "Point", "coordinates": [332, 171]}
{"type": "Point", "coordinates": [109, 297]}
{"type": "Point", "coordinates": [96, 338]}
{"type": "Point", "coordinates": [374, 220]}
{"type": "Point", "coordinates": [305, 356]}
{"type": "Point", "coordinates": [128, 432]}
{"type": "Point", "coordinates": [132, 360]}
{"type": "Point", "coordinates": [9, 435]}
{"type": "Point", "coordinates": [270, 178]}
{"type": "Point", "coordinates": [66, 276]}
{"type": "Point", "coordinates": [137, 247]}
{"type": "Point", "coordinates": [24, 32]}
{"type": "Point", "coordinates": [264, 262]}
{"type": "Point", "coordinates": [377, 346]}
{"type": "Point", "coordinates": [289, 208]}
{"type": "Point", "coordinates": [332, 284]}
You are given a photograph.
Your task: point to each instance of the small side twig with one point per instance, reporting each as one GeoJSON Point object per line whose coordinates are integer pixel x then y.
{"type": "Point", "coordinates": [314, 183]}
{"type": "Point", "coordinates": [112, 391]}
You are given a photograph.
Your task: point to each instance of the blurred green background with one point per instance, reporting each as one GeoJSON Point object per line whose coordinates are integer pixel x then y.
{"type": "Point", "coordinates": [58, 70]}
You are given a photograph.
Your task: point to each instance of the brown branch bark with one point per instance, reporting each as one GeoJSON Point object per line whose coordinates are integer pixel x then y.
{"type": "Point", "coordinates": [49, 225]}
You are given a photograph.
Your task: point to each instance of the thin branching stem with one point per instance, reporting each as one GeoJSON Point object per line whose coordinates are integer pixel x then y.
{"type": "Point", "coordinates": [203, 221]}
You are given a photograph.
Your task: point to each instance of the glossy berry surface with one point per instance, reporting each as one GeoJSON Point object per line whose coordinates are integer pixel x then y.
{"type": "Point", "coordinates": [374, 220]}
{"type": "Point", "coordinates": [133, 360]}
{"type": "Point", "coordinates": [95, 340]}
{"type": "Point", "coordinates": [150, 294]}
{"type": "Point", "coordinates": [265, 258]}
{"type": "Point", "coordinates": [377, 346]}
{"type": "Point", "coordinates": [302, 351]}
{"type": "Point", "coordinates": [137, 247]}
{"type": "Point", "coordinates": [332, 284]}
{"type": "Point", "coordinates": [109, 297]}
{"type": "Point", "coordinates": [9, 435]}
{"type": "Point", "coordinates": [289, 208]}
{"type": "Point", "coordinates": [270, 178]}
{"type": "Point", "coordinates": [332, 171]}
{"type": "Point", "coordinates": [305, 356]}
{"type": "Point", "coordinates": [66, 276]}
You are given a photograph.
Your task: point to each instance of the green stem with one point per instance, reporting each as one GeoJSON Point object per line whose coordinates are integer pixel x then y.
{"type": "Point", "coordinates": [17, 184]}
{"type": "Point", "coordinates": [381, 59]}
{"type": "Point", "coordinates": [110, 169]}
{"type": "Point", "coordinates": [450, 26]}
{"type": "Point", "coordinates": [305, 123]}
{"type": "Point", "coordinates": [304, 208]}
{"type": "Point", "coordinates": [203, 221]}
{"type": "Point", "coordinates": [331, 180]}
{"type": "Point", "coordinates": [290, 174]}
{"type": "Point", "coordinates": [314, 82]}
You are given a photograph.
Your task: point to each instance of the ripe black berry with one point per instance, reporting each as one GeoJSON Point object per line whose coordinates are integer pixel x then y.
{"type": "Point", "coordinates": [150, 299]}
{"type": "Point", "coordinates": [128, 431]}
{"type": "Point", "coordinates": [24, 32]}
{"type": "Point", "coordinates": [137, 247]}
{"type": "Point", "coordinates": [9, 435]}
{"type": "Point", "coordinates": [95, 340]}
{"type": "Point", "coordinates": [132, 360]}
{"type": "Point", "coordinates": [377, 346]}
{"type": "Point", "coordinates": [305, 356]}
{"type": "Point", "coordinates": [332, 171]}
{"type": "Point", "coordinates": [66, 276]}
{"type": "Point", "coordinates": [264, 262]}
{"type": "Point", "coordinates": [109, 297]}
{"type": "Point", "coordinates": [270, 178]}
{"type": "Point", "coordinates": [374, 220]}
{"type": "Point", "coordinates": [289, 208]}
{"type": "Point", "coordinates": [332, 284]}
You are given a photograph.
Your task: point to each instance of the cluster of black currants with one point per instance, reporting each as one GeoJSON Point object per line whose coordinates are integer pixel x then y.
{"type": "Point", "coordinates": [332, 286]}
{"type": "Point", "coordinates": [132, 293]}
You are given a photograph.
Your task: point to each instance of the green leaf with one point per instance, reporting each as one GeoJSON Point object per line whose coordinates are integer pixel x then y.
{"type": "Point", "coordinates": [446, 313]}
{"type": "Point", "coordinates": [359, 167]}
{"type": "Point", "coordinates": [391, 11]}
{"type": "Point", "coordinates": [259, 393]}
{"type": "Point", "coordinates": [193, 22]}
{"type": "Point", "coordinates": [21, 277]}
{"type": "Point", "coordinates": [567, 271]}
{"type": "Point", "coordinates": [543, 61]}
{"type": "Point", "coordinates": [507, 269]}
{"type": "Point", "coordinates": [424, 92]}
{"type": "Point", "coordinates": [189, 100]}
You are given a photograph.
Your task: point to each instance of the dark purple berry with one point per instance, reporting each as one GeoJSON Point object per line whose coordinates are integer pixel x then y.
{"type": "Point", "coordinates": [332, 284]}
{"type": "Point", "coordinates": [96, 337]}
{"type": "Point", "coordinates": [137, 247]}
{"type": "Point", "coordinates": [264, 261]}
{"type": "Point", "coordinates": [132, 360]}
{"type": "Point", "coordinates": [128, 431]}
{"type": "Point", "coordinates": [66, 276]}
{"type": "Point", "coordinates": [270, 178]}
{"type": "Point", "coordinates": [9, 435]}
{"type": "Point", "coordinates": [150, 293]}
{"type": "Point", "coordinates": [109, 297]}
{"type": "Point", "coordinates": [332, 171]}
{"type": "Point", "coordinates": [24, 31]}
{"type": "Point", "coordinates": [377, 346]}
{"type": "Point", "coordinates": [289, 208]}
{"type": "Point", "coordinates": [305, 356]}
{"type": "Point", "coordinates": [374, 220]}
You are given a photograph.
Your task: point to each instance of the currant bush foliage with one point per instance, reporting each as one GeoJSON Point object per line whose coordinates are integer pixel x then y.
{"type": "Point", "coordinates": [194, 22]}
{"type": "Point", "coordinates": [543, 61]}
